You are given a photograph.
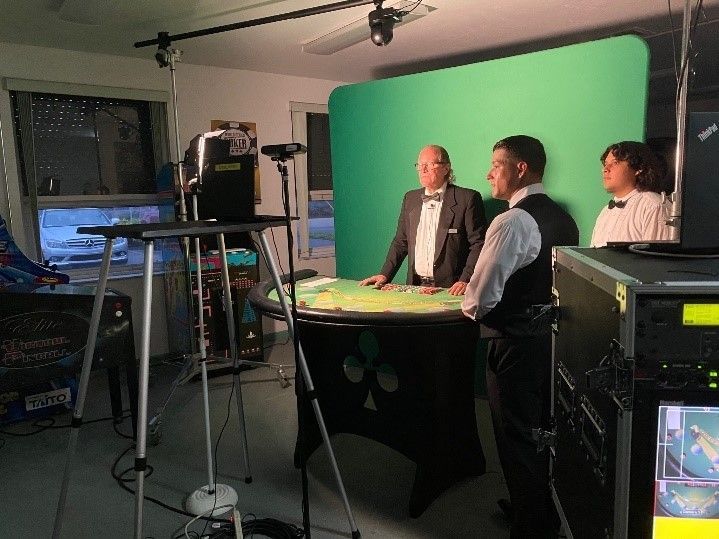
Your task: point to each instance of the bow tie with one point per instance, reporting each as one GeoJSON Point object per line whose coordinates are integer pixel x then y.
{"type": "Point", "coordinates": [616, 204]}
{"type": "Point", "coordinates": [433, 196]}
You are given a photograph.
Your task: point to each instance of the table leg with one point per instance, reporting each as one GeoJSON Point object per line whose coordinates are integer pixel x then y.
{"type": "Point", "coordinates": [144, 368]}
{"type": "Point", "coordinates": [82, 388]}
{"type": "Point", "coordinates": [230, 314]}
{"type": "Point", "coordinates": [115, 390]}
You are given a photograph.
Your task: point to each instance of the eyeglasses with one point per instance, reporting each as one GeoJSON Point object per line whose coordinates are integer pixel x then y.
{"type": "Point", "coordinates": [606, 167]}
{"type": "Point", "coordinates": [429, 166]}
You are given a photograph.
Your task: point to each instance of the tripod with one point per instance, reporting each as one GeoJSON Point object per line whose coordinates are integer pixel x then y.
{"type": "Point", "coordinates": [148, 234]}
{"type": "Point", "coordinates": [206, 498]}
{"type": "Point", "coordinates": [307, 390]}
{"type": "Point", "coordinates": [209, 496]}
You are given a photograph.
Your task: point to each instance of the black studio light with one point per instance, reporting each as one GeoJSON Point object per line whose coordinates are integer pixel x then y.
{"type": "Point", "coordinates": [381, 23]}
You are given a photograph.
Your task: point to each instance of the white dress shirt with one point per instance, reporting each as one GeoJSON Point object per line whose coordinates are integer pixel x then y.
{"type": "Point", "coordinates": [513, 241]}
{"type": "Point", "coordinates": [427, 234]}
{"type": "Point", "coordinates": [643, 218]}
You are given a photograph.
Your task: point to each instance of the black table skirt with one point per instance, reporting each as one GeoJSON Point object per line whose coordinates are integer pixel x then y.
{"type": "Point", "coordinates": [409, 387]}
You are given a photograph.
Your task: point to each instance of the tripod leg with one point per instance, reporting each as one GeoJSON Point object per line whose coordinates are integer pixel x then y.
{"type": "Point", "coordinates": [308, 382]}
{"type": "Point", "coordinates": [203, 356]}
{"type": "Point", "coordinates": [230, 314]}
{"type": "Point", "coordinates": [205, 499]}
{"type": "Point", "coordinates": [140, 458]}
{"type": "Point", "coordinates": [326, 439]}
{"type": "Point", "coordinates": [84, 381]}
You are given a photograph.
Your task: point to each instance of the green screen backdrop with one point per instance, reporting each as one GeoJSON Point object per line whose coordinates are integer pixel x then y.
{"type": "Point", "coordinates": [577, 100]}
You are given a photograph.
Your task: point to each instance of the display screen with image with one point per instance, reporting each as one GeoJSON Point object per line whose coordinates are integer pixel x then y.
{"type": "Point", "coordinates": [686, 491]}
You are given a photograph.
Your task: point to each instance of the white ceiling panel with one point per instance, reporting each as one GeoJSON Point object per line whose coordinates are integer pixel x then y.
{"type": "Point", "coordinates": [457, 32]}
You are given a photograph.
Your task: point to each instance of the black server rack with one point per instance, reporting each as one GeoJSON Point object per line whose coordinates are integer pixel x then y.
{"type": "Point", "coordinates": [636, 353]}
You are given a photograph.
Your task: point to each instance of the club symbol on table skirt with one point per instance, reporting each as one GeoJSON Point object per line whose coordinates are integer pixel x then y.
{"type": "Point", "coordinates": [357, 370]}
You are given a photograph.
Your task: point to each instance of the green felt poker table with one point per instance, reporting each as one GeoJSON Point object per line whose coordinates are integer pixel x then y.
{"type": "Point", "coordinates": [395, 366]}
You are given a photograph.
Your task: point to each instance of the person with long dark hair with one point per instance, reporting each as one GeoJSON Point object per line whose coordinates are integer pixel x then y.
{"type": "Point", "coordinates": [632, 173]}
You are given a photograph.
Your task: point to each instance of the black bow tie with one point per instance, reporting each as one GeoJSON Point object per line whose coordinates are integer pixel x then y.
{"type": "Point", "coordinates": [616, 204]}
{"type": "Point", "coordinates": [433, 196]}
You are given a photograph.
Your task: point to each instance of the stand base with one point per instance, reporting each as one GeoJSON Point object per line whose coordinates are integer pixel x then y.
{"type": "Point", "coordinates": [213, 363]}
{"type": "Point", "coordinates": [201, 501]}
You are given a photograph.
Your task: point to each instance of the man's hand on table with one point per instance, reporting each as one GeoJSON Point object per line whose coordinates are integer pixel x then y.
{"type": "Point", "coordinates": [377, 280]}
{"type": "Point", "coordinates": [457, 289]}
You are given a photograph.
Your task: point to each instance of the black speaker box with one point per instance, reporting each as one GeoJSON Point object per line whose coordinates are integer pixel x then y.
{"type": "Point", "coordinates": [227, 193]}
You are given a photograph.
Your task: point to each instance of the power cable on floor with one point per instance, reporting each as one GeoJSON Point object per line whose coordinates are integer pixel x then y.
{"type": "Point", "coordinates": [41, 428]}
{"type": "Point", "coordinates": [269, 527]}
{"type": "Point", "coordinates": [121, 480]}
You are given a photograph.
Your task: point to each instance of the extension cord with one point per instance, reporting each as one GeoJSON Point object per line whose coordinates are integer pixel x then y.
{"type": "Point", "coordinates": [237, 518]}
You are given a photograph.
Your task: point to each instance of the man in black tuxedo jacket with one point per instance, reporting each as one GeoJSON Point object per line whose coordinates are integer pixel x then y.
{"type": "Point", "coordinates": [441, 229]}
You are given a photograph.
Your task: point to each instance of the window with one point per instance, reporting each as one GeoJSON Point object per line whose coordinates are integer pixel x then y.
{"type": "Point", "coordinates": [313, 176]}
{"type": "Point", "coordinates": [87, 161]}
{"type": "Point", "coordinates": [62, 246]}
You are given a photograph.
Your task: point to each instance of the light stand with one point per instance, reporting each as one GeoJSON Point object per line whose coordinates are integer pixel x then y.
{"type": "Point", "coordinates": [266, 250]}
{"type": "Point", "coordinates": [211, 495]}
{"type": "Point", "coordinates": [305, 388]}
{"type": "Point", "coordinates": [681, 118]}
{"type": "Point", "coordinates": [166, 56]}
{"type": "Point", "coordinates": [301, 389]}
{"type": "Point", "coordinates": [206, 498]}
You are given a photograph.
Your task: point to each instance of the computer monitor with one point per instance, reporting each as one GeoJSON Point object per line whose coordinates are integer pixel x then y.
{"type": "Point", "coordinates": [700, 192]}
{"type": "Point", "coordinates": [686, 487]}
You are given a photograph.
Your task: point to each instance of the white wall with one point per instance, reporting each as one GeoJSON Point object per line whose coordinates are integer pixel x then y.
{"type": "Point", "coordinates": [204, 93]}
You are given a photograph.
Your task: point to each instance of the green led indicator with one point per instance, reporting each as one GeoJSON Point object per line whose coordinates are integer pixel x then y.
{"type": "Point", "coordinates": [665, 366]}
{"type": "Point", "coordinates": [713, 374]}
{"type": "Point", "coordinates": [713, 385]}
{"type": "Point", "coordinates": [699, 367]}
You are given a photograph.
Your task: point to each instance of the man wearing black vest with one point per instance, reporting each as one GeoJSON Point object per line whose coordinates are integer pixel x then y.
{"type": "Point", "coordinates": [511, 281]}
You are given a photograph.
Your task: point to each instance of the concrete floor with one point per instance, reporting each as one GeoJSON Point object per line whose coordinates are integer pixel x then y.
{"type": "Point", "coordinates": [377, 479]}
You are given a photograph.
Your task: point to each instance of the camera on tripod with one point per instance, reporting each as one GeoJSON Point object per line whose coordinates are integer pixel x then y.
{"type": "Point", "coordinates": [282, 152]}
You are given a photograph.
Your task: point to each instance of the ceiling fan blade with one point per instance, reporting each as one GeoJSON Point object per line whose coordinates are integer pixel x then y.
{"type": "Point", "coordinates": [95, 12]}
{"type": "Point", "coordinates": [358, 30]}
{"type": "Point", "coordinates": [84, 12]}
